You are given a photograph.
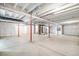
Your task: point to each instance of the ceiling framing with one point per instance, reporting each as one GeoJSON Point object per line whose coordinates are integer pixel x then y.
{"type": "Point", "coordinates": [41, 12]}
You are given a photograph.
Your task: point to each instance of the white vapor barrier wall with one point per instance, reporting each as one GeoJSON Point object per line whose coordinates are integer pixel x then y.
{"type": "Point", "coordinates": [23, 29]}
{"type": "Point", "coordinates": [54, 29]}
{"type": "Point", "coordinates": [36, 28]}
{"type": "Point", "coordinates": [59, 29]}
{"type": "Point", "coordinates": [45, 29]}
{"type": "Point", "coordinates": [11, 29]}
{"type": "Point", "coordinates": [8, 29]}
{"type": "Point", "coordinates": [71, 29]}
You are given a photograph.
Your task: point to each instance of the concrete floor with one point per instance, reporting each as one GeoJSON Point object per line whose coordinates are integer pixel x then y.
{"type": "Point", "coordinates": [41, 46]}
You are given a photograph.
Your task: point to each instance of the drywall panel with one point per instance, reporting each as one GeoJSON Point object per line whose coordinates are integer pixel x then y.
{"type": "Point", "coordinates": [71, 29]}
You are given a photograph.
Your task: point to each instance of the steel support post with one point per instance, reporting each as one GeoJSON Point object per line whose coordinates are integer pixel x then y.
{"type": "Point", "coordinates": [18, 31]}
{"type": "Point", "coordinates": [30, 28]}
{"type": "Point", "coordinates": [49, 31]}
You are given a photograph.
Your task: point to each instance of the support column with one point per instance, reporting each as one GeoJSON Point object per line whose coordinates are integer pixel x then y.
{"type": "Point", "coordinates": [42, 28]}
{"type": "Point", "coordinates": [34, 28]}
{"type": "Point", "coordinates": [18, 31]}
{"type": "Point", "coordinates": [31, 28]}
{"type": "Point", "coordinates": [49, 31]}
{"type": "Point", "coordinates": [62, 29]}
{"type": "Point", "coordinates": [39, 29]}
{"type": "Point", "coordinates": [57, 29]}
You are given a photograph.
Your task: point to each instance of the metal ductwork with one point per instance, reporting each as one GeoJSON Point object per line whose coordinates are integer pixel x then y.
{"type": "Point", "coordinates": [12, 19]}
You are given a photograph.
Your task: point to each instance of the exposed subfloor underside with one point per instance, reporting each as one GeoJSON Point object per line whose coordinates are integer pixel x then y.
{"type": "Point", "coordinates": [41, 46]}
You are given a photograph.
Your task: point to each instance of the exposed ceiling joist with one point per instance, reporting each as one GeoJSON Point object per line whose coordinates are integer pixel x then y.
{"type": "Point", "coordinates": [22, 17]}
{"type": "Point", "coordinates": [69, 22]}
{"type": "Point", "coordinates": [25, 6]}
{"type": "Point", "coordinates": [35, 6]}
{"type": "Point", "coordinates": [58, 9]}
{"type": "Point", "coordinates": [4, 4]}
{"type": "Point", "coordinates": [15, 5]}
{"type": "Point", "coordinates": [49, 7]}
{"type": "Point", "coordinates": [69, 9]}
{"type": "Point", "coordinates": [67, 13]}
{"type": "Point", "coordinates": [20, 12]}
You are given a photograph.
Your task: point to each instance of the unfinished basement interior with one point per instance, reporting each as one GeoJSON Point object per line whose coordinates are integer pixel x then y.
{"type": "Point", "coordinates": [39, 29]}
